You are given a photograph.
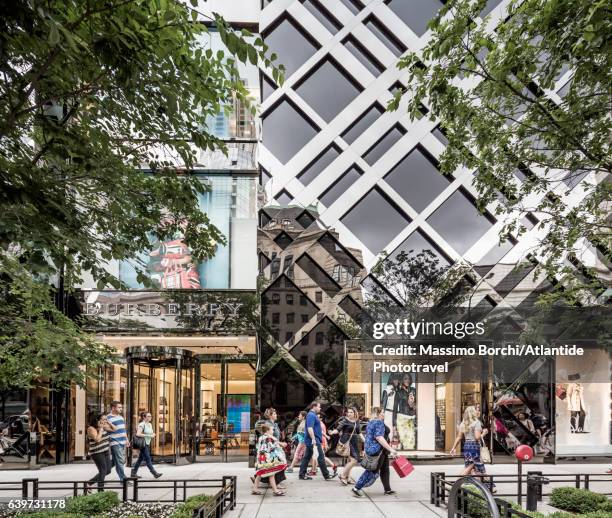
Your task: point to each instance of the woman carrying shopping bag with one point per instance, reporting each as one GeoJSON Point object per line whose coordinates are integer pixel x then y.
{"type": "Point", "coordinates": [376, 454]}
{"type": "Point", "coordinates": [471, 429]}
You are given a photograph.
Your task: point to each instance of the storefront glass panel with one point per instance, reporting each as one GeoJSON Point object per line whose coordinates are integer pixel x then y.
{"type": "Point", "coordinates": [227, 391]}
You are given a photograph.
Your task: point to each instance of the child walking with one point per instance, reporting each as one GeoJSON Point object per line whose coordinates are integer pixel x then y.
{"type": "Point", "coordinates": [270, 460]}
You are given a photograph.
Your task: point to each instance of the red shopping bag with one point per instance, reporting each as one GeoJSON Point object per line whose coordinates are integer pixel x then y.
{"type": "Point", "coordinates": [402, 466]}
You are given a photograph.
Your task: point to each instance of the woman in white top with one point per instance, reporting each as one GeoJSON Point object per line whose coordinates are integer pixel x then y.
{"type": "Point", "coordinates": [145, 430]}
{"type": "Point", "coordinates": [471, 429]}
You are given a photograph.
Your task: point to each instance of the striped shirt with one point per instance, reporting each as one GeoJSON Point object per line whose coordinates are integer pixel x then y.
{"type": "Point", "coordinates": [100, 446]}
{"type": "Point", "coordinates": [119, 436]}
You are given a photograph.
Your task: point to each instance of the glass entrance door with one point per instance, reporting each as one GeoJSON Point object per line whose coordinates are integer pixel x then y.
{"type": "Point", "coordinates": [164, 387]}
{"type": "Point", "coordinates": [227, 398]}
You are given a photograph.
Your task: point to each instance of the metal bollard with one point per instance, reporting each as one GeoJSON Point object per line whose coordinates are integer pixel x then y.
{"type": "Point", "coordinates": [534, 489]}
{"type": "Point", "coordinates": [539, 474]}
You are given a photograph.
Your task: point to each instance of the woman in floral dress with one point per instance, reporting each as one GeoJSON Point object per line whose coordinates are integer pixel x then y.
{"type": "Point", "coordinates": [270, 460]}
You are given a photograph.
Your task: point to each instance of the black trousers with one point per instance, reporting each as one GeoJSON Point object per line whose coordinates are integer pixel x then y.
{"type": "Point", "coordinates": [103, 463]}
{"type": "Point", "coordinates": [320, 461]}
{"type": "Point", "coordinates": [384, 470]}
{"type": "Point", "coordinates": [577, 420]}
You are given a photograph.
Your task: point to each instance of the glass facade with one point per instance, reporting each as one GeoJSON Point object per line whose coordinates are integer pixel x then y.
{"type": "Point", "coordinates": [375, 220]}
{"type": "Point", "coordinates": [342, 182]}
{"type": "Point", "coordinates": [229, 200]}
{"type": "Point", "coordinates": [369, 182]}
{"type": "Point", "coordinates": [328, 89]}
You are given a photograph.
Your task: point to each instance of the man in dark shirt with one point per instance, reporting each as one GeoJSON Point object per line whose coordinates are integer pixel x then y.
{"type": "Point", "coordinates": [312, 439]}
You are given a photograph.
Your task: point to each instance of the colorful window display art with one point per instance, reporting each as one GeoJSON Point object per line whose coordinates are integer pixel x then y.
{"type": "Point", "coordinates": [399, 401]}
{"type": "Point", "coordinates": [170, 264]}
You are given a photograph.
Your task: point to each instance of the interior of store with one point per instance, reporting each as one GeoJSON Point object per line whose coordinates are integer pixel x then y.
{"type": "Point", "coordinates": [199, 390]}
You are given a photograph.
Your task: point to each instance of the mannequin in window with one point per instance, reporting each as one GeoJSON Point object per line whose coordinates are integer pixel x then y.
{"type": "Point", "coordinates": [575, 404]}
{"type": "Point", "coordinates": [390, 403]}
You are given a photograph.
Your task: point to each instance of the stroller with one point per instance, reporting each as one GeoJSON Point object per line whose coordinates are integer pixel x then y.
{"type": "Point", "coordinates": [15, 447]}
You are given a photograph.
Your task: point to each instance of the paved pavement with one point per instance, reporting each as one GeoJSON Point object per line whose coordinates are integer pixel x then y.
{"type": "Point", "coordinates": [313, 499]}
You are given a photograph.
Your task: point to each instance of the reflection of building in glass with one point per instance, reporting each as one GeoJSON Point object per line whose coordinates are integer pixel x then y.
{"type": "Point", "coordinates": [310, 278]}
{"type": "Point", "coordinates": [327, 142]}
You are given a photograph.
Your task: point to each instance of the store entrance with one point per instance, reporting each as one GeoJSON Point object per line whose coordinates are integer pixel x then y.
{"type": "Point", "coordinates": [202, 406]}
{"type": "Point", "coordinates": [227, 400]}
{"type": "Point", "coordinates": [162, 383]}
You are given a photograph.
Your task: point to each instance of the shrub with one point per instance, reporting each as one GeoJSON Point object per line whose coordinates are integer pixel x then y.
{"type": "Point", "coordinates": [577, 500]}
{"type": "Point", "coordinates": [477, 508]}
{"type": "Point", "coordinates": [90, 505]}
{"type": "Point", "coordinates": [186, 509]}
{"type": "Point", "coordinates": [594, 514]}
{"type": "Point", "coordinates": [606, 506]}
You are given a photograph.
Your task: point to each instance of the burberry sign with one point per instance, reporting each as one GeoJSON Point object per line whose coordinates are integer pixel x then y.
{"type": "Point", "coordinates": [201, 310]}
{"type": "Point", "coordinates": [154, 309]}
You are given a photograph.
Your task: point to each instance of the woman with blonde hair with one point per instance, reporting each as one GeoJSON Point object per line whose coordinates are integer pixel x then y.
{"type": "Point", "coordinates": [471, 429]}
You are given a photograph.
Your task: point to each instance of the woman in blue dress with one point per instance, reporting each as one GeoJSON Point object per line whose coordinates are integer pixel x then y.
{"type": "Point", "coordinates": [376, 443]}
{"type": "Point", "coordinates": [472, 431]}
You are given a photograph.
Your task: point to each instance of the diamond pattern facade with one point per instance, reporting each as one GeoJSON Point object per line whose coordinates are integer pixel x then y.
{"type": "Point", "coordinates": [366, 183]}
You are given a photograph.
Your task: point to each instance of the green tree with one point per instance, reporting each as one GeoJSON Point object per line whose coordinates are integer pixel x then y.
{"type": "Point", "coordinates": [93, 93]}
{"type": "Point", "coordinates": [495, 91]}
{"type": "Point", "coordinates": [413, 284]}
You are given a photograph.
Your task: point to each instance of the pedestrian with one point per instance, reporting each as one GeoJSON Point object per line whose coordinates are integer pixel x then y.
{"type": "Point", "coordinates": [313, 440]}
{"type": "Point", "coordinates": [350, 432]}
{"type": "Point", "coordinates": [325, 445]}
{"type": "Point", "coordinates": [98, 442]}
{"type": "Point", "coordinates": [145, 430]}
{"type": "Point", "coordinates": [299, 438]}
{"type": "Point", "coordinates": [270, 418]}
{"type": "Point", "coordinates": [270, 460]}
{"type": "Point", "coordinates": [377, 450]}
{"type": "Point", "coordinates": [118, 438]}
{"type": "Point", "coordinates": [471, 429]}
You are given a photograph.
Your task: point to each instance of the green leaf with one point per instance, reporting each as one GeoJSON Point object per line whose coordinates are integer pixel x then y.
{"type": "Point", "coordinates": [54, 37]}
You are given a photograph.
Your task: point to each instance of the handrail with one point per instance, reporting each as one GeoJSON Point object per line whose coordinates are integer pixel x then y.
{"type": "Point", "coordinates": [440, 483]}
{"type": "Point", "coordinates": [458, 486]}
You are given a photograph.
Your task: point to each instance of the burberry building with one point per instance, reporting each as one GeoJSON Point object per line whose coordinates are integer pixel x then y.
{"type": "Point", "coordinates": [354, 204]}
{"type": "Point", "coordinates": [322, 199]}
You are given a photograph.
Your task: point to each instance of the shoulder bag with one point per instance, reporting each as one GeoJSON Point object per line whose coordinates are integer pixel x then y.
{"type": "Point", "coordinates": [370, 462]}
{"type": "Point", "coordinates": [485, 454]}
{"type": "Point", "coordinates": [138, 443]}
{"type": "Point", "coordinates": [344, 448]}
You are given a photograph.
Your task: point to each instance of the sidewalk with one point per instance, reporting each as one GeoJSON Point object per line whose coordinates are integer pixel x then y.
{"type": "Point", "coordinates": [315, 498]}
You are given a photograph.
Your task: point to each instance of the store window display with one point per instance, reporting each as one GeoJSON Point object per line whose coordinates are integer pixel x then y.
{"type": "Point", "coordinates": [400, 409]}
{"type": "Point", "coordinates": [583, 401]}
{"type": "Point", "coordinates": [575, 404]}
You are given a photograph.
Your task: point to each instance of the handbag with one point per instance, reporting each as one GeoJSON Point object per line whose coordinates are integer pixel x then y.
{"type": "Point", "coordinates": [561, 391]}
{"type": "Point", "coordinates": [138, 443]}
{"type": "Point", "coordinates": [370, 462]}
{"type": "Point", "coordinates": [485, 454]}
{"type": "Point", "coordinates": [344, 448]}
